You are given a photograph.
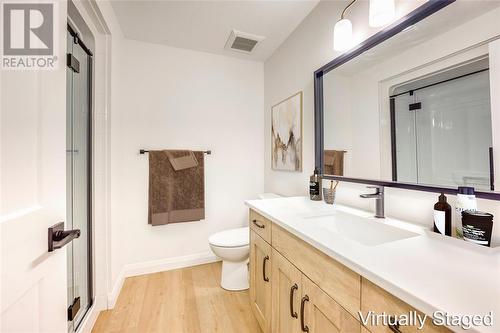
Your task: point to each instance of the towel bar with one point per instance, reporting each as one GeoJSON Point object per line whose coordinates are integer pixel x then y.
{"type": "Point", "coordinates": [142, 151]}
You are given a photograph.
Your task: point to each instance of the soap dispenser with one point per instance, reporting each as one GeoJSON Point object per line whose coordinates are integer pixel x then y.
{"type": "Point", "coordinates": [442, 216]}
{"type": "Point", "coordinates": [315, 186]}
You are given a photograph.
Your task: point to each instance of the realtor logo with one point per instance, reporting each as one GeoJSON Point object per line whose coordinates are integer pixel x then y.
{"type": "Point", "coordinates": [28, 35]}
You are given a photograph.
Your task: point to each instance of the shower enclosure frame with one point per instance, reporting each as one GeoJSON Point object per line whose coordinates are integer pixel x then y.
{"type": "Point", "coordinates": [90, 281]}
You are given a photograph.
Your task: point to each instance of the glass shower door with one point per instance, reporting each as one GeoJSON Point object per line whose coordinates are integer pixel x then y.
{"type": "Point", "coordinates": [455, 132]}
{"type": "Point", "coordinates": [78, 182]}
{"type": "Point", "coordinates": [443, 133]}
{"type": "Point", "coordinates": [406, 140]}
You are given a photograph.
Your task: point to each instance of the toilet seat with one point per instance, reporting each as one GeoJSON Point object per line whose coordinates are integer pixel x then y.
{"type": "Point", "coordinates": [231, 238]}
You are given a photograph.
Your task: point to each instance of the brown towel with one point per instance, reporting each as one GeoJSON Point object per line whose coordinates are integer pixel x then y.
{"type": "Point", "coordinates": [182, 162]}
{"type": "Point", "coordinates": [176, 196]}
{"type": "Point", "coordinates": [334, 162]}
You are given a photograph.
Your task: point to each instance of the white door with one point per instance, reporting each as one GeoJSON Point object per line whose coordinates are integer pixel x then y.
{"type": "Point", "coordinates": [33, 187]}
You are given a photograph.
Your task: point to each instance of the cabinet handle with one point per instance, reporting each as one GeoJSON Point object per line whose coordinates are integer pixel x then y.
{"type": "Point", "coordinates": [266, 258]}
{"type": "Point", "coordinates": [262, 226]}
{"type": "Point", "coordinates": [305, 299]}
{"type": "Point", "coordinates": [394, 328]}
{"type": "Point", "coordinates": [292, 292]}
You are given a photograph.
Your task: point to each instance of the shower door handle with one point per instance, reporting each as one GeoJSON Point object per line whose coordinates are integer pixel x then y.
{"type": "Point", "coordinates": [58, 237]}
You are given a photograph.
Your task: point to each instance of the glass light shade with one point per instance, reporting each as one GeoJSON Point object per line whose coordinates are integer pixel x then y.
{"type": "Point", "coordinates": [381, 12]}
{"type": "Point", "coordinates": [342, 35]}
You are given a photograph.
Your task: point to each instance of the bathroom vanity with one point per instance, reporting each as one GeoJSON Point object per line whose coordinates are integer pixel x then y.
{"type": "Point", "coordinates": [319, 268]}
{"type": "Point", "coordinates": [415, 106]}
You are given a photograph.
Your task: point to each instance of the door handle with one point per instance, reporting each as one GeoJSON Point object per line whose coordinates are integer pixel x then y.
{"type": "Point", "coordinates": [58, 237]}
{"type": "Point", "coordinates": [266, 258]}
{"type": "Point", "coordinates": [304, 327]}
{"type": "Point", "coordinates": [261, 226]}
{"type": "Point", "coordinates": [292, 292]}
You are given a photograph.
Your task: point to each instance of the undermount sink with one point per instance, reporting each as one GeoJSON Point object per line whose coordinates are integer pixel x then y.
{"type": "Point", "coordinates": [363, 230]}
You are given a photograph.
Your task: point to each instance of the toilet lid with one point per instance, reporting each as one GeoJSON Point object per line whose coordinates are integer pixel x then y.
{"type": "Point", "coordinates": [231, 238]}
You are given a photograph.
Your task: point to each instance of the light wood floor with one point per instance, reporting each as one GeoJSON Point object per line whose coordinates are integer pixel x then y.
{"type": "Point", "coordinates": [187, 300]}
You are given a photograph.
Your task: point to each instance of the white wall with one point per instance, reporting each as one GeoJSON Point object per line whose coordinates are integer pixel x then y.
{"type": "Point", "coordinates": [163, 98]}
{"type": "Point", "coordinates": [339, 95]}
{"type": "Point", "coordinates": [112, 46]}
{"type": "Point", "coordinates": [290, 69]}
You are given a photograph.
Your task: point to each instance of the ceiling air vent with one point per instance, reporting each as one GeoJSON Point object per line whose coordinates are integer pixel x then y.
{"type": "Point", "coordinates": [242, 42]}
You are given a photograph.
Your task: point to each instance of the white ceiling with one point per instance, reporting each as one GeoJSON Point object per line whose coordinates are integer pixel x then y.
{"type": "Point", "coordinates": [206, 25]}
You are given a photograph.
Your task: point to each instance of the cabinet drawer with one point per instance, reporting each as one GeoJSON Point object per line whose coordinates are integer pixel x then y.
{"type": "Point", "coordinates": [376, 299]}
{"type": "Point", "coordinates": [260, 225]}
{"type": "Point", "coordinates": [339, 282]}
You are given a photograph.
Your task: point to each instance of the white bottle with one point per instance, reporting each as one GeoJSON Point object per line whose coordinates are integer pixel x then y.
{"type": "Point", "coordinates": [466, 200]}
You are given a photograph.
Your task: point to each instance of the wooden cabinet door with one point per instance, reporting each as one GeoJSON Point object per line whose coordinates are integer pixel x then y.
{"type": "Point", "coordinates": [319, 313]}
{"type": "Point", "coordinates": [260, 280]}
{"type": "Point", "coordinates": [364, 330]}
{"type": "Point", "coordinates": [379, 301]}
{"type": "Point", "coordinates": [286, 291]}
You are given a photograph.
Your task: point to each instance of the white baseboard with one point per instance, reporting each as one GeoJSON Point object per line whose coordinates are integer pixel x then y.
{"type": "Point", "coordinates": [117, 287]}
{"type": "Point", "coordinates": [155, 266]}
{"type": "Point", "coordinates": [91, 317]}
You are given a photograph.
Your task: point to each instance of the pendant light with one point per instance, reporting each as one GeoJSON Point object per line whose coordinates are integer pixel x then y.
{"type": "Point", "coordinates": [342, 32]}
{"type": "Point", "coordinates": [381, 13]}
{"type": "Point", "coordinates": [342, 35]}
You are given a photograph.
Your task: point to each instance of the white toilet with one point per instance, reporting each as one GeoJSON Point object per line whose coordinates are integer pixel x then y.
{"type": "Point", "coordinates": [233, 247]}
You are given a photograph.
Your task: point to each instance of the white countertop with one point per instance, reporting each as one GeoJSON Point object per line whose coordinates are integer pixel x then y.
{"type": "Point", "coordinates": [430, 272]}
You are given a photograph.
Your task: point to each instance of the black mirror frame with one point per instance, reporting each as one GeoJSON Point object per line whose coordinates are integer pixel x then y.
{"type": "Point", "coordinates": [412, 18]}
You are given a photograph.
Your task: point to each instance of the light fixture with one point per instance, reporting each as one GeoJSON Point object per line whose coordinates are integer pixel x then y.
{"type": "Point", "coordinates": [381, 12]}
{"type": "Point", "coordinates": [342, 35]}
{"type": "Point", "coordinates": [342, 32]}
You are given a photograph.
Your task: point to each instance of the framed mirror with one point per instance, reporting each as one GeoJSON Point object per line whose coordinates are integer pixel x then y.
{"type": "Point", "coordinates": [417, 105]}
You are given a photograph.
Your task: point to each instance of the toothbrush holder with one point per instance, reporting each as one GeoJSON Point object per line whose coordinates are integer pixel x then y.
{"type": "Point", "coordinates": [329, 195]}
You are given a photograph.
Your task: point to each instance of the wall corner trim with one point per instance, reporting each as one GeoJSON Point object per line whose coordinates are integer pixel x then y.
{"type": "Point", "coordinates": [154, 266]}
